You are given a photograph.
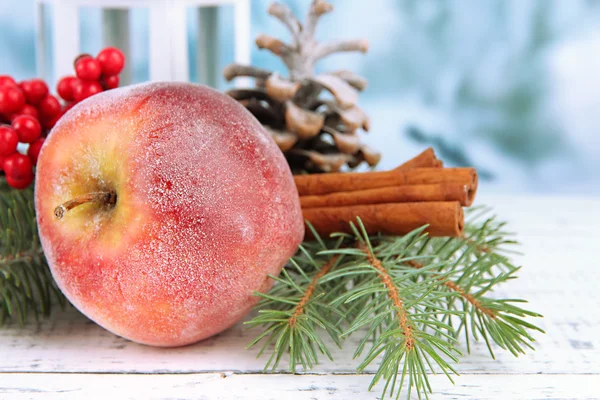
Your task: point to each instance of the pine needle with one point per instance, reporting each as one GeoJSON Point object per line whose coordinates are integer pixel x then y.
{"type": "Point", "coordinates": [26, 285]}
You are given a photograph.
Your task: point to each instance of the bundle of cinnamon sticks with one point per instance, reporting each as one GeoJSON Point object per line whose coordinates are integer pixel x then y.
{"type": "Point", "coordinates": [419, 192]}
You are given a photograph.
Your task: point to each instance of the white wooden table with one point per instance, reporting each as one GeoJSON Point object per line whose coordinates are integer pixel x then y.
{"type": "Point", "coordinates": [72, 358]}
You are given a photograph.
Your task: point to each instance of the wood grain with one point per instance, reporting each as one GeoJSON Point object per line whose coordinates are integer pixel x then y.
{"type": "Point", "coordinates": [225, 386]}
{"type": "Point", "coordinates": [69, 356]}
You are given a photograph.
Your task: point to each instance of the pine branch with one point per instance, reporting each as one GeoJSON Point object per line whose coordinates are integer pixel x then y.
{"type": "Point", "coordinates": [26, 285]}
{"type": "Point", "coordinates": [476, 267]}
{"type": "Point", "coordinates": [389, 284]}
{"type": "Point", "coordinates": [299, 309]}
{"type": "Point", "coordinates": [410, 298]}
{"type": "Point", "coordinates": [470, 298]}
{"type": "Point", "coordinates": [294, 309]}
{"type": "Point", "coordinates": [396, 314]}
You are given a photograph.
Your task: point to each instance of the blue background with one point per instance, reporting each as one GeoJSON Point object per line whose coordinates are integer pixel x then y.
{"type": "Point", "coordinates": [510, 86]}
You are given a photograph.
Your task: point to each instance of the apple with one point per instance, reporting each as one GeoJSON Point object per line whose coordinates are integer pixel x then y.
{"type": "Point", "coordinates": [162, 208]}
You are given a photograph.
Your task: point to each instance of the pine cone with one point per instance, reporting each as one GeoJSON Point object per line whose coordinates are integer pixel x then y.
{"type": "Point", "coordinates": [314, 119]}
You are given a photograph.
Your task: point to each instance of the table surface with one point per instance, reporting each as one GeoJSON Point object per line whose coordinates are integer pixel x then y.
{"type": "Point", "coordinates": [69, 357]}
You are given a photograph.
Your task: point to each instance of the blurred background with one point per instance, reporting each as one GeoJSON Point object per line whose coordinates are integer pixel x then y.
{"type": "Point", "coordinates": [509, 86]}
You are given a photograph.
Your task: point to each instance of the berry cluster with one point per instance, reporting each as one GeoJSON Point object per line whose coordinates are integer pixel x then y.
{"type": "Point", "coordinates": [28, 111]}
{"type": "Point", "coordinates": [92, 75]}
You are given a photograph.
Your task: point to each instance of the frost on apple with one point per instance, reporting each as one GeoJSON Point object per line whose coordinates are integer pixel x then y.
{"type": "Point", "coordinates": [206, 208]}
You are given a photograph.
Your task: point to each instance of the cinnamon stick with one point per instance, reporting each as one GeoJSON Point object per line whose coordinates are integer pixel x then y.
{"type": "Point", "coordinates": [392, 194]}
{"type": "Point", "coordinates": [316, 184]}
{"type": "Point", "coordinates": [445, 218]}
{"type": "Point", "coordinates": [426, 159]}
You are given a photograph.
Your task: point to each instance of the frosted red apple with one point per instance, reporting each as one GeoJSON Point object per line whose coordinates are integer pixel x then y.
{"type": "Point", "coordinates": [204, 208]}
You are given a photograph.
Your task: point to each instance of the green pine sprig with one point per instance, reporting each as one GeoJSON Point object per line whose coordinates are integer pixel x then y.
{"type": "Point", "coordinates": [410, 299]}
{"type": "Point", "coordinates": [475, 266]}
{"type": "Point", "coordinates": [293, 311]}
{"type": "Point", "coordinates": [26, 285]}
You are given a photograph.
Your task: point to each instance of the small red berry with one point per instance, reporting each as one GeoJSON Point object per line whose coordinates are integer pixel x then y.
{"type": "Point", "coordinates": [48, 123]}
{"type": "Point", "coordinates": [88, 69]}
{"type": "Point", "coordinates": [11, 99]}
{"type": "Point", "coordinates": [111, 60]}
{"type": "Point", "coordinates": [8, 140]}
{"type": "Point", "coordinates": [34, 90]}
{"type": "Point", "coordinates": [33, 151]}
{"type": "Point", "coordinates": [7, 80]}
{"type": "Point", "coordinates": [85, 89]}
{"type": "Point", "coordinates": [110, 82]}
{"type": "Point", "coordinates": [65, 87]}
{"type": "Point", "coordinates": [49, 107]}
{"type": "Point", "coordinates": [79, 57]}
{"type": "Point", "coordinates": [27, 127]}
{"type": "Point", "coordinates": [27, 109]}
{"type": "Point", "coordinates": [17, 165]}
{"type": "Point", "coordinates": [78, 86]}
{"type": "Point", "coordinates": [20, 182]}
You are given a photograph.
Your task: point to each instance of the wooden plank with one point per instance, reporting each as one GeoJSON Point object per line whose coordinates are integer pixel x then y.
{"type": "Point", "coordinates": [571, 346]}
{"type": "Point", "coordinates": [560, 278]}
{"type": "Point", "coordinates": [265, 387]}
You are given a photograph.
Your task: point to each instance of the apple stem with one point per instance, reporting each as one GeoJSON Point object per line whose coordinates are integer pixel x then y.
{"type": "Point", "coordinates": [103, 198]}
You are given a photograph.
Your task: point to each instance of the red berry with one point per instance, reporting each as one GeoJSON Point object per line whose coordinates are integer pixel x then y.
{"type": "Point", "coordinates": [77, 89]}
{"type": "Point", "coordinates": [17, 165]}
{"type": "Point", "coordinates": [110, 82]}
{"type": "Point", "coordinates": [76, 86]}
{"type": "Point", "coordinates": [111, 60]}
{"type": "Point", "coordinates": [49, 107]}
{"type": "Point", "coordinates": [88, 69]}
{"type": "Point", "coordinates": [27, 127]}
{"type": "Point", "coordinates": [48, 123]}
{"type": "Point", "coordinates": [7, 80]}
{"type": "Point", "coordinates": [33, 151]}
{"type": "Point", "coordinates": [21, 182]}
{"type": "Point", "coordinates": [11, 99]}
{"type": "Point", "coordinates": [27, 109]}
{"type": "Point", "coordinates": [65, 87]}
{"type": "Point", "coordinates": [34, 90]}
{"type": "Point", "coordinates": [79, 57]}
{"type": "Point", "coordinates": [85, 89]}
{"type": "Point", "coordinates": [8, 140]}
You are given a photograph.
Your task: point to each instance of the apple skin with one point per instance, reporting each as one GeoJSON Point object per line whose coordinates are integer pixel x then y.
{"type": "Point", "coordinates": [206, 209]}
